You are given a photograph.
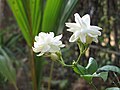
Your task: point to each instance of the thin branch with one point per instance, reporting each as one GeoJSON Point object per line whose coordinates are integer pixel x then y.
{"type": "Point", "coordinates": [105, 50]}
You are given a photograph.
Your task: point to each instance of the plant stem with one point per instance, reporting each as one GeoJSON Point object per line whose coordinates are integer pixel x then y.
{"type": "Point", "coordinates": [79, 58]}
{"type": "Point", "coordinates": [50, 77]}
{"type": "Point", "coordinates": [16, 88]}
{"type": "Point", "coordinates": [80, 53]}
{"type": "Point", "coordinates": [116, 78]}
{"type": "Point", "coordinates": [91, 83]}
{"type": "Point", "coordinates": [63, 63]}
{"type": "Point", "coordinates": [68, 65]}
{"type": "Point", "coordinates": [33, 71]}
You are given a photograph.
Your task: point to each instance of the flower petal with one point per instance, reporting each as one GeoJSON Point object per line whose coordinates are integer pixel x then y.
{"type": "Point", "coordinates": [95, 39]}
{"type": "Point", "coordinates": [95, 32]}
{"type": "Point", "coordinates": [86, 20]}
{"type": "Point", "coordinates": [95, 28]}
{"type": "Point", "coordinates": [83, 38]}
{"type": "Point", "coordinates": [79, 20]}
{"type": "Point", "coordinates": [46, 48]}
{"type": "Point", "coordinates": [54, 48]}
{"type": "Point", "coordinates": [57, 38]}
{"type": "Point", "coordinates": [51, 34]}
{"type": "Point", "coordinates": [74, 37]}
{"type": "Point", "coordinates": [36, 50]}
{"type": "Point", "coordinates": [92, 35]}
{"type": "Point", "coordinates": [40, 54]}
{"type": "Point", "coordinates": [36, 38]}
{"type": "Point", "coordinates": [73, 30]}
{"type": "Point", "coordinates": [73, 25]}
{"type": "Point", "coordinates": [62, 45]}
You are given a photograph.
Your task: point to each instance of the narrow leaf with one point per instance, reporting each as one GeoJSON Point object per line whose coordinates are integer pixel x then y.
{"type": "Point", "coordinates": [51, 13]}
{"type": "Point", "coordinates": [21, 17]}
{"type": "Point", "coordinates": [69, 6]}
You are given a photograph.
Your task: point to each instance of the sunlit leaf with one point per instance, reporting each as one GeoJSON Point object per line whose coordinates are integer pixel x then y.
{"type": "Point", "coordinates": [21, 17]}
{"type": "Point", "coordinates": [103, 75]}
{"type": "Point", "coordinates": [109, 68]}
{"type": "Point", "coordinates": [113, 88]}
{"type": "Point", "coordinates": [92, 66]}
{"type": "Point", "coordinates": [51, 15]}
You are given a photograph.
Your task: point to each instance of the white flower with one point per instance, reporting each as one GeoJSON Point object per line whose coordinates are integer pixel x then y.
{"type": "Point", "coordinates": [46, 42]}
{"type": "Point", "coordinates": [83, 30]}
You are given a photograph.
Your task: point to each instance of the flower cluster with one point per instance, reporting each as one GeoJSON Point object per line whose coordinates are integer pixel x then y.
{"type": "Point", "coordinates": [46, 42]}
{"type": "Point", "coordinates": [81, 29]}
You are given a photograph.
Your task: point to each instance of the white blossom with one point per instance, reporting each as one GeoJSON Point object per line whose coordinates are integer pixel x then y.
{"type": "Point", "coordinates": [47, 43]}
{"type": "Point", "coordinates": [82, 29]}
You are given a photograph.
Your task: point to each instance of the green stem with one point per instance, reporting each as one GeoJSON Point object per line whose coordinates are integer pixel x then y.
{"type": "Point", "coordinates": [116, 78]}
{"type": "Point", "coordinates": [91, 83]}
{"type": "Point", "coordinates": [63, 63]}
{"type": "Point", "coordinates": [82, 51]}
{"type": "Point", "coordinates": [33, 71]}
{"type": "Point", "coordinates": [50, 77]}
{"type": "Point", "coordinates": [79, 58]}
{"type": "Point", "coordinates": [68, 65]}
{"type": "Point", "coordinates": [16, 88]}
{"type": "Point", "coordinates": [62, 59]}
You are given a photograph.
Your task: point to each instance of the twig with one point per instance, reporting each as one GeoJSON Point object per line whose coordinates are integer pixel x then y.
{"type": "Point", "coordinates": [93, 85]}
{"type": "Point", "coordinates": [116, 78]}
{"type": "Point", "coordinates": [105, 50]}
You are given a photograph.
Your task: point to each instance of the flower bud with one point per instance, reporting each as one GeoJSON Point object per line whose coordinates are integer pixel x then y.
{"type": "Point", "coordinates": [89, 40]}
{"type": "Point", "coordinates": [54, 56]}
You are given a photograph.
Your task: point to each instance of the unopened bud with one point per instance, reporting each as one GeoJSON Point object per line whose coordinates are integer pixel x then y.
{"type": "Point", "coordinates": [88, 40]}
{"type": "Point", "coordinates": [54, 56]}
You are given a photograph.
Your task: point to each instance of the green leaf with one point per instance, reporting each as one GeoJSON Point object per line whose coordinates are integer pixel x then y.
{"type": "Point", "coordinates": [51, 15]}
{"type": "Point", "coordinates": [36, 8]}
{"type": "Point", "coordinates": [39, 65]}
{"type": "Point", "coordinates": [12, 40]}
{"type": "Point", "coordinates": [109, 68]}
{"type": "Point", "coordinates": [79, 69]}
{"type": "Point", "coordinates": [92, 66]}
{"type": "Point", "coordinates": [113, 88]}
{"type": "Point", "coordinates": [20, 14]}
{"type": "Point", "coordinates": [103, 75]}
{"type": "Point", "coordinates": [68, 9]}
{"type": "Point", "coordinates": [6, 68]}
{"type": "Point", "coordinates": [87, 77]}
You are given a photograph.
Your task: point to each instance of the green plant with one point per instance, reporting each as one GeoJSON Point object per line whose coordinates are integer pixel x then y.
{"type": "Point", "coordinates": [34, 16]}
{"type": "Point", "coordinates": [48, 45]}
{"type": "Point", "coordinates": [6, 68]}
{"type": "Point", "coordinates": [7, 57]}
